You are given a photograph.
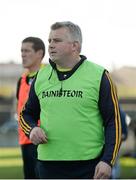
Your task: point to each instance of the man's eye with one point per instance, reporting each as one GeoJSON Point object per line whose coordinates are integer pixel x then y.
{"type": "Point", "coordinates": [58, 40]}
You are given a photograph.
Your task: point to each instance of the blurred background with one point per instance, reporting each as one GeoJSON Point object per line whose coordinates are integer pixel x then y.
{"type": "Point", "coordinates": [109, 39]}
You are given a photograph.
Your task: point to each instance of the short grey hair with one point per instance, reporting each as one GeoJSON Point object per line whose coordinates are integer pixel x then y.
{"type": "Point", "coordinates": [74, 30]}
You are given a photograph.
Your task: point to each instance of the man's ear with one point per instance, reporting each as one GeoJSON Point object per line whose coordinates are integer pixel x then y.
{"type": "Point", "coordinates": [76, 46]}
{"type": "Point", "coordinates": [40, 53]}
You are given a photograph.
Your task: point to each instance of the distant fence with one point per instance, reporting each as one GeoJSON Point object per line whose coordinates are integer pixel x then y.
{"type": "Point", "coordinates": [9, 139]}
{"type": "Point", "coordinates": [6, 108]}
{"type": "Point", "coordinates": [129, 106]}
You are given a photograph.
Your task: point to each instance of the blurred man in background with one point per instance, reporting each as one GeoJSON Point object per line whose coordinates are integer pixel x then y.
{"type": "Point", "coordinates": [33, 51]}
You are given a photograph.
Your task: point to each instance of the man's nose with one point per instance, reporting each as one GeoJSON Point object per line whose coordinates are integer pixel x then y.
{"type": "Point", "coordinates": [51, 44]}
{"type": "Point", "coordinates": [22, 54]}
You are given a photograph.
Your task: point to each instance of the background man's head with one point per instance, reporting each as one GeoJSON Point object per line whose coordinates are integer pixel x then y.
{"type": "Point", "coordinates": [33, 51]}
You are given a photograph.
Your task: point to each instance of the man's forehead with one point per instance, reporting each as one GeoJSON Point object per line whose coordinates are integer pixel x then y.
{"type": "Point", "coordinates": [27, 44]}
{"type": "Point", "coordinates": [58, 33]}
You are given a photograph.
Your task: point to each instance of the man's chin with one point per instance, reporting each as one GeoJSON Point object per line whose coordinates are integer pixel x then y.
{"type": "Point", "coordinates": [53, 60]}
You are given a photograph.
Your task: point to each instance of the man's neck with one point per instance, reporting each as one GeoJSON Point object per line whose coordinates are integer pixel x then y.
{"type": "Point", "coordinates": [34, 69]}
{"type": "Point", "coordinates": [68, 64]}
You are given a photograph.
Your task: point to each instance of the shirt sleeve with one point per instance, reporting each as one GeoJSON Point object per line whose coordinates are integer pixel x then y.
{"type": "Point", "coordinates": [109, 108]}
{"type": "Point", "coordinates": [17, 88]}
{"type": "Point", "coordinates": [31, 112]}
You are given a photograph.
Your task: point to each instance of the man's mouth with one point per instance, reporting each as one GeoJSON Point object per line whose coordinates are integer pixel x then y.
{"type": "Point", "coordinates": [53, 52]}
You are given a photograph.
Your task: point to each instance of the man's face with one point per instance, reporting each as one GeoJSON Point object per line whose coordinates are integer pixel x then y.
{"type": "Point", "coordinates": [29, 56]}
{"type": "Point", "coordinates": [60, 45]}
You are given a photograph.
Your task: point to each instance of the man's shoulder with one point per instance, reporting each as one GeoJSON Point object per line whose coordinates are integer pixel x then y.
{"type": "Point", "coordinates": [44, 69]}
{"type": "Point", "coordinates": [94, 66]}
